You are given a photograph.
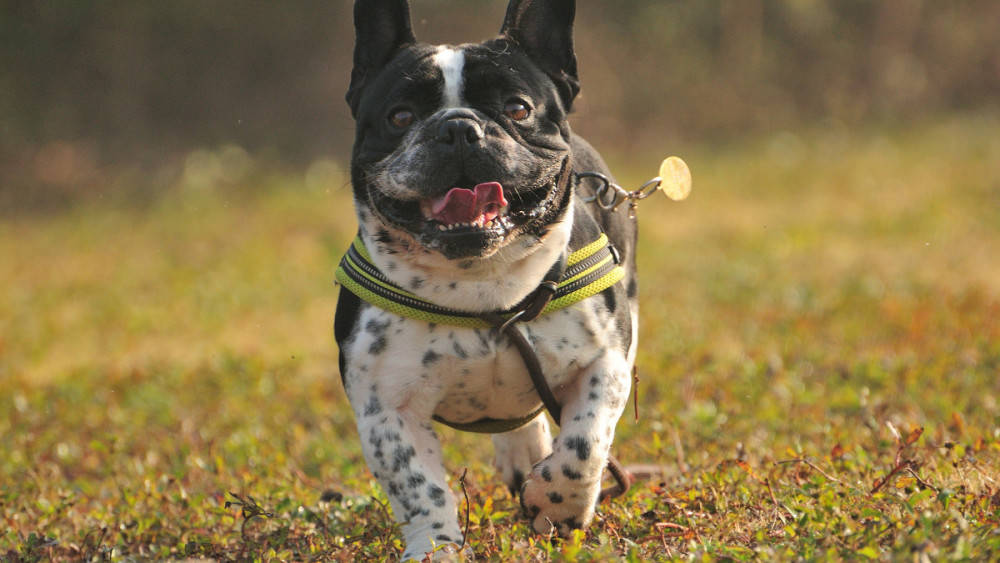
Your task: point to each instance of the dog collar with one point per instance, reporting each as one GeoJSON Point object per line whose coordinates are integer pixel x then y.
{"type": "Point", "coordinates": [588, 271]}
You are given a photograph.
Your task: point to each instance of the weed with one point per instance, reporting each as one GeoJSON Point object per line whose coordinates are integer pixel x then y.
{"type": "Point", "coordinates": [818, 371]}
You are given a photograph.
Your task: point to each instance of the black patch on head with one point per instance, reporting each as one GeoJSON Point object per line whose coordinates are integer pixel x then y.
{"type": "Point", "coordinates": [545, 31]}
{"type": "Point", "coordinates": [555, 498]}
{"type": "Point", "coordinates": [416, 282]}
{"type": "Point", "coordinates": [429, 358]}
{"type": "Point", "coordinates": [381, 29]}
{"type": "Point", "coordinates": [593, 396]}
{"type": "Point", "coordinates": [580, 446]}
{"type": "Point", "coordinates": [437, 525]}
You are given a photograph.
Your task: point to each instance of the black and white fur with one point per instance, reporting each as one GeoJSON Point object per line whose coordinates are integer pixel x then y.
{"type": "Point", "coordinates": [430, 118]}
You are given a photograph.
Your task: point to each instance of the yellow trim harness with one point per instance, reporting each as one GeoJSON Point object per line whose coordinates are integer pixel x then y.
{"type": "Point", "coordinates": [588, 271]}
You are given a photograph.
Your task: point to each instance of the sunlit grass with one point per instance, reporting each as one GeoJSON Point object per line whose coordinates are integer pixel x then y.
{"type": "Point", "coordinates": [822, 295]}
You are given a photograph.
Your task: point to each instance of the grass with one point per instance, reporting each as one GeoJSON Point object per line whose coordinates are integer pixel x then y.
{"type": "Point", "coordinates": [819, 364]}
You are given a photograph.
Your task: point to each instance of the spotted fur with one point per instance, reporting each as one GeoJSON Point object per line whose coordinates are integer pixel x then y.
{"type": "Point", "coordinates": [399, 373]}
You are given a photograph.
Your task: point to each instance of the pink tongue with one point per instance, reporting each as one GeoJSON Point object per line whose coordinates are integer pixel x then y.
{"type": "Point", "coordinates": [478, 205]}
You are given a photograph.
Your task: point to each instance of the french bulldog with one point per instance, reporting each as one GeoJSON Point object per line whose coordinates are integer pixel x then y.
{"type": "Point", "coordinates": [463, 177]}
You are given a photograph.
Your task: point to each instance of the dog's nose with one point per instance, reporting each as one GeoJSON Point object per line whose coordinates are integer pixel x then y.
{"type": "Point", "coordinates": [459, 133]}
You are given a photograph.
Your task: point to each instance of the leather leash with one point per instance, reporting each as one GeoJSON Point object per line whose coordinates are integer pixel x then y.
{"type": "Point", "coordinates": [541, 297]}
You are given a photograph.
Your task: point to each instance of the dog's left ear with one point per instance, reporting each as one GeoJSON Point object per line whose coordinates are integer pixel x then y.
{"type": "Point", "coordinates": [544, 29]}
{"type": "Point", "coordinates": [382, 27]}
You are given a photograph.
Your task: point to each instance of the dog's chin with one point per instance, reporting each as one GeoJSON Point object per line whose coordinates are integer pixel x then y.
{"type": "Point", "coordinates": [526, 209]}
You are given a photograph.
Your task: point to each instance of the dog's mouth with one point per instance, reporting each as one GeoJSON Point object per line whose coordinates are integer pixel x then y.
{"type": "Point", "coordinates": [483, 213]}
{"type": "Point", "coordinates": [479, 207]}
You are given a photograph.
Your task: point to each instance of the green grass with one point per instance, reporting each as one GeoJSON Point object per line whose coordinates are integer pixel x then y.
{"type": "Point", "coordinates": [168, 384]}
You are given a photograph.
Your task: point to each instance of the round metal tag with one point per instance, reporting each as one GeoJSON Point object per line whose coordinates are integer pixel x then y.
{"type": "Point", "coordinates": [676, 178]}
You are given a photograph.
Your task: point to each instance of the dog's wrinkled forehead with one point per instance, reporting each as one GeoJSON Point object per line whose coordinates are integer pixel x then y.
{"type": "Point", "coordinates": [429, 78]}
{"type": "Point", "coordinates": [536, 38]}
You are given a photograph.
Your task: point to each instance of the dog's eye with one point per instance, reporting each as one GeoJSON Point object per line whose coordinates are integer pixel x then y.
{"type": "Point", "coordinates": [518, 111]}
{"type": "Point", "coordinates": [401, 119]}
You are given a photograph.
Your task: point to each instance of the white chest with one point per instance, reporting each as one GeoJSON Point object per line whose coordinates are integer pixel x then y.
{"type": "Point", "coordinates": [464, 375]}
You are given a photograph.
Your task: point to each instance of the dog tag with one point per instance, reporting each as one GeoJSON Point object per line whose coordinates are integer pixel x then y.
{"type": "Point", "coordinates": [676, 178]}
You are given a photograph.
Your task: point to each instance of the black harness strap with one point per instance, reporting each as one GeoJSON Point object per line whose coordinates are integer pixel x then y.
{"type": "Point", "coordinates": [363, 279]}
{"type": "Point", "coordinates": [623, 478]}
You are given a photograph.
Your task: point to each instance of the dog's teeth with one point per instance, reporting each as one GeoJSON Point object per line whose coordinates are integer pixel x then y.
{"type": "Point", "coordinates": [442, 228]}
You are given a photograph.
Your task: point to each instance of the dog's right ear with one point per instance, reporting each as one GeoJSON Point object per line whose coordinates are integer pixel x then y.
{"type": "Point", "coordinates": [381, 27]}
{"type": "Point", "coordinates": [544, 29]}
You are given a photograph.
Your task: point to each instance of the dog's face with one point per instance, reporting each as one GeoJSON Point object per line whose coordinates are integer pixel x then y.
{"type": "Point", "coordinates": [462, 149]}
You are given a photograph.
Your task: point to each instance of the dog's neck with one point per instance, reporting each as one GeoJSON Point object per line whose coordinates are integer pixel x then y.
{"type": "Point", "coordinates": [497, 282]}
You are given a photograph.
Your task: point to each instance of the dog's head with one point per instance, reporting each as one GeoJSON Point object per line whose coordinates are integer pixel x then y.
{"type": "Point", "coordinates": [463, 149]}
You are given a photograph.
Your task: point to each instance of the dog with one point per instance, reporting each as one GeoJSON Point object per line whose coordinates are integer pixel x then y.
{"type": "Point", "coordinates": [463, 177]}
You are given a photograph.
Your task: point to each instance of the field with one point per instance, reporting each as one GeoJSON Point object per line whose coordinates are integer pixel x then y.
{"type": "Point", "coordinates": [819, 367]}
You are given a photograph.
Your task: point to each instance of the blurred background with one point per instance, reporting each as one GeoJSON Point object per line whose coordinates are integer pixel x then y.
{"type": "Point", "coordinates": [173, 205]}
{"type": "Point", "coordinates": [117, 96]}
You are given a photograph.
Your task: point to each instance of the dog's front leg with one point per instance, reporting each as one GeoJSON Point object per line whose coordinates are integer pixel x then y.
{"type": "Point", "coordinates": [519, 450]}
{"type": "Point", "coordinates": [404, 454]}
{"type": "Point", "coordinates": [561, 491]}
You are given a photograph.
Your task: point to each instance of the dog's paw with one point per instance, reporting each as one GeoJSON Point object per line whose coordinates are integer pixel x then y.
{"type": "Point", "coordinates": [558, 502]}
{"type": "Point", "coordinates": [519, 450]}
{"type": "Point", "coordinates": [450, 552]}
